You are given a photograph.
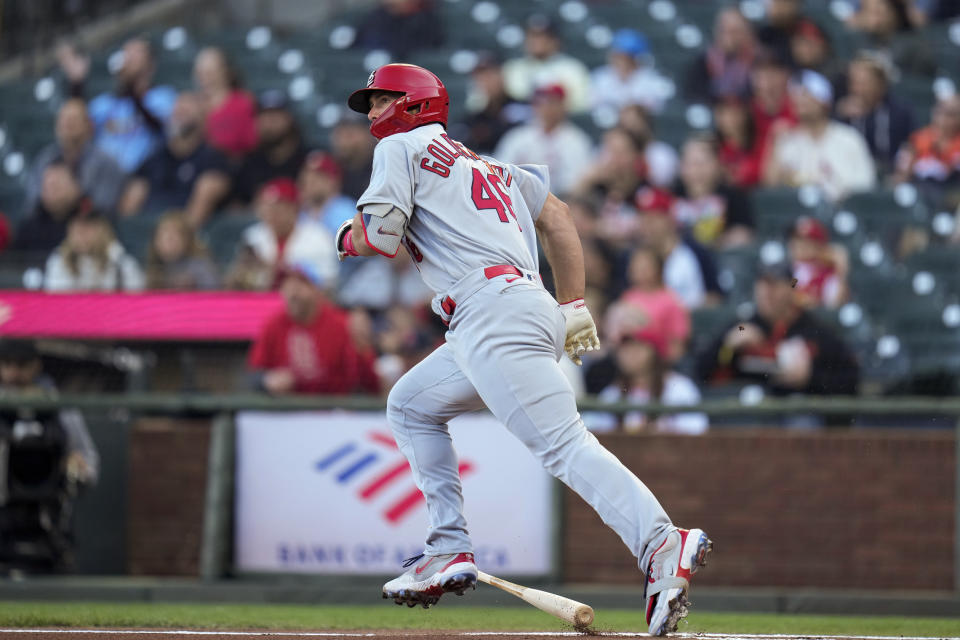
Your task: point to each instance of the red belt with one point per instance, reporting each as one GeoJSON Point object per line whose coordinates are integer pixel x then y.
{"type": "Point", "coordinates": [449, 306]}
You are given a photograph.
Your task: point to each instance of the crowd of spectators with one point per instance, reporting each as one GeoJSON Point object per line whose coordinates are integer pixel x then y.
{"type": "Point", "coordinates": [786, 112]}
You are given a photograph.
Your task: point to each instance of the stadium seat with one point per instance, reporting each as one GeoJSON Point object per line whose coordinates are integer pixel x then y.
{"type": "Point", "coordinates": [223, 235]}
{"type": "Point", "coordinates": [136, 234]}
{"type": "Point", "coordinates": [775, 209]}
{"type": "Point", "coordinates": [736, 269]}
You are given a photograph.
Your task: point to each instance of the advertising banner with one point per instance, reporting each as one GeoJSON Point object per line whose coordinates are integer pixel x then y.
{"type": "Point", "coordinates": [329, 492]}
{"type": "Point", "coordinates": [136, 316]}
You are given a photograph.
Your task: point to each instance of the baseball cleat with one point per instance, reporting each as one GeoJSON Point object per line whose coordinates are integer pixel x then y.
{"type": "Point", "coordinates": [429, 577]}
{"type": "Point", "coordinates": [668, 578]}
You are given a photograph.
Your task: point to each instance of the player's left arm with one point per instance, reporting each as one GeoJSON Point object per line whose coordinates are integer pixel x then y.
{"type": "Point", "coordinates": [378, 229]}
{"type": "Point", "coordinates": [561, 244]}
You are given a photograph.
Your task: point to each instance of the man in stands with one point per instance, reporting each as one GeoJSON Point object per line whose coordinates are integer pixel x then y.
{"type": "Point", "coordinates": [307, 347]}
{"type": "Point", "coordinates": [186, 173]}
{"type": "Point", "coordinates": [281, 151]}
{"type": "Point", "coordinates": [97, 173]}
{"type": "Point", "coordinates": [549, 139]}
{"type": "Point", "coordinates": [544, 63]}
{"type": "Point", "coordinates": [820, 151]}
{"type": "Point", "coordinates": [279, 240]}
{"type": "Point", "coordinates": [61, 199]}
{"type": "Point", "coordinates": [321, 199]}
{"type": "Point", "coordinates": [130, 121]}
{"type": "Point", "coordinates": [782, 346]}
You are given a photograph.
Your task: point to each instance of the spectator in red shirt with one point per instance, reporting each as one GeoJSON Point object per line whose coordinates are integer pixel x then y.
{"type": "Point", "coordinates": [231, 111]}
{"type": "Point", "coordinates": [307, 346]}
{"type": "Point", "coordinates": [649, 305]}
{"type": "Point", "coordinates": [741, 150]}
{"type": "Point", "coordinates": [819, 268]}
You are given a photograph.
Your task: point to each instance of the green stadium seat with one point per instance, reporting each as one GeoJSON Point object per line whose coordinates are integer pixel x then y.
{"type": "Point", "coordinates": [136, 235]}
{"type": "Point", "coordinates": [775, 209]}
{"type": "Point", "coordinates": [223, 234]}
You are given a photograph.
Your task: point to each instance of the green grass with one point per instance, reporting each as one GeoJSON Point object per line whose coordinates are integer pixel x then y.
{"type": "Point", "coordinates": [291, 617]}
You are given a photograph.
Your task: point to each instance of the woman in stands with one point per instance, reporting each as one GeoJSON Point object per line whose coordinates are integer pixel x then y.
{"type": "Point", "coordinates": [91, 259]}
{"type": "Point", "coordinates": [177, 259]}
{"type": "Point", "coordinates": [231, 111]}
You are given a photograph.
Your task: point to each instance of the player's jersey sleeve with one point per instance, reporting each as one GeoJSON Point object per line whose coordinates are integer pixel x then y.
{"type": "Point", "coordinates": [533, 180]}
{"type": "Point", "coordinates": [394, 176]}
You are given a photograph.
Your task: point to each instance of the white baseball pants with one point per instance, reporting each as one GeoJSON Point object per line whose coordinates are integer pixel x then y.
{"type": "Point", "coordinates": [505, 339]}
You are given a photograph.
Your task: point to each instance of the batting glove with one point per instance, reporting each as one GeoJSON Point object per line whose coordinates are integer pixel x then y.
{"type": "Point", "coordinates": [581, 330]}
{"type": "Point", "coordinates": [344, 241]}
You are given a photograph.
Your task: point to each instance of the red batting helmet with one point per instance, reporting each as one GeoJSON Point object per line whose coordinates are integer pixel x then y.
{"type": "Point", "coordinates": [420, 87]}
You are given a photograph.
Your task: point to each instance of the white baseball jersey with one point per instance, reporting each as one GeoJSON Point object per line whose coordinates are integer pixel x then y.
{"type": "Point", "coordinates": [465, 212]}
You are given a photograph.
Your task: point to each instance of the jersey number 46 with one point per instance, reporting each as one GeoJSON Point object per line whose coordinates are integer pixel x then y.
{"type": "Point", "coordinates": [488, 194]}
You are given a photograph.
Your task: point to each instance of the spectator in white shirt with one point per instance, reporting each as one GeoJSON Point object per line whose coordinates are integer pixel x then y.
{"type": "Point", "coordinates": [545, 64]}
{"type": "Point", "coordinates": [819, 151]}
{"type": "Point", "coordinates": [629, 76]}
{"type": "Point", "coordinates": [644, 377]}
{"type": "Point", "coordinates": [91, 259]}
{"type": "Point", "coordinates": [279, 240]}
{"type": "Point", "coordinates": [550, 139]}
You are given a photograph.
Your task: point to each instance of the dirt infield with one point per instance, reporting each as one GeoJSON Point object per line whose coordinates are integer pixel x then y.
{"type": "Point", "coordinates": [393, 634]}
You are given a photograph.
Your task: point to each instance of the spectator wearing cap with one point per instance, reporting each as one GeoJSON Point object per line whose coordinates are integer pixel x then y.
{"type": "Point", "coordinates": [97, 173]}
{"type": "Point", "coordinates": [649, 305]}
{"type": "Point", "coordinates": [810, 48]}
{"type": "Point", "coordinates": [279, 240]}
{"type": "Point", "coordinates": [714, 213]}
{"type": "Point", "coordinates": [91, 259]}
{"type": "Point", "coordinates": [723, 70]}
{"type": "Point", "coordinates": [643, 376]}
{"type": "Point", "coordinates": [870, 108]}
{"type": "Point", "coordinates": [819, 151]}
{"type": "Point", "coordinates": [321, 201]}
{"type": "Point", "coordinates": [281, 149]}
{"type": "Point", "coordinates": [352, 147]}
{"type": "Point", "coordinates": [231, 112]}
{"type": "Point", "coordinates": [819, 268]}
{"type": "Point", "coordinates": [782, 347]}
{"type": "Point", "coordinates": [770, 106]}
{"type": "Point", "coordinates": [186, 173]}
{"type": "Point", "coordinates": [61, 200]}
{"type": "Point", "coordinates": [932, 154]}
{"type": "Point", "coordinates": [545, 64]}
{"type": "Point", "coordinates": [550, 139]}
{"type": "Point", "coordinates": [307, 347]}
{"type": "Point", "coordinates": [629, 76]}
{"type": "Point", "coordinates": [401, 27]}
{"type": "Point", "coordinates": [491, 111]}
{"type": "Point", "coordinates": [681, 268]}
{"type": "Point", "coordinates": [177, 259]}
{"type": "Point", "coordinates": [129, 121]}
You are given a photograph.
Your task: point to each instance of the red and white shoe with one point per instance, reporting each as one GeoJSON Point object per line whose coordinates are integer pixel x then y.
{"type": "Point", "coordinates": [668, 578]}
{"type": "Point", "coordinates": [429, 577]}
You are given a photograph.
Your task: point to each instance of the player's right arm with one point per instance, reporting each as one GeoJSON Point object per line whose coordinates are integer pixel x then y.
{"type": "Point", "coordinates": [561, 245]}
{"type": "Point", "coordinates": [384, 209]}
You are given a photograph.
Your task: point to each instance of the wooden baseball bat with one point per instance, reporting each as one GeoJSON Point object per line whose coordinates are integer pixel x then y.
{"type": "Point", "coordinates": [570, 611]}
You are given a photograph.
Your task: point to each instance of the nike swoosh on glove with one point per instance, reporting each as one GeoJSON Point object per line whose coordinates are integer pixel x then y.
{"type": "Point", "coordinates": [344, 241]}
{"type": "Point", "coordinates": [581, 330]}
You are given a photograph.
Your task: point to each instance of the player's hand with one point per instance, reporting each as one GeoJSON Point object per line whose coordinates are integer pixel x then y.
{"type": "Point", "coordinates": [581, 330]}
{"type": "Point", "coordinates": [344, 241]}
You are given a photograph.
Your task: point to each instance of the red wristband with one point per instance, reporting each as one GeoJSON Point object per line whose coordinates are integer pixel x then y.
{"type": "Point", "coordinates": [348, 247]}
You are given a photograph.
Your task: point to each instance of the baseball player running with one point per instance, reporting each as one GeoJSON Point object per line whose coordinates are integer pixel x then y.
{"type": "Point", "coordinates": [471, 225]}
